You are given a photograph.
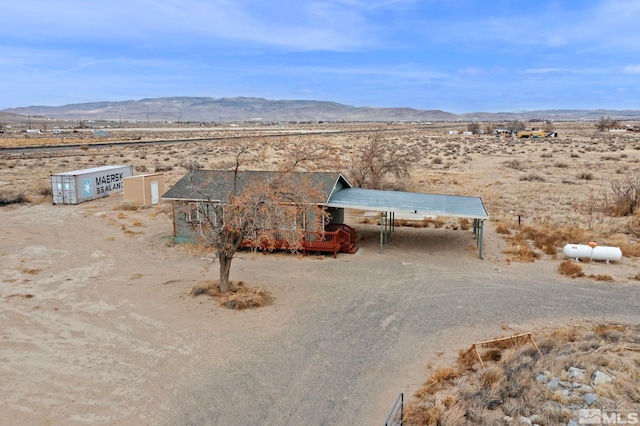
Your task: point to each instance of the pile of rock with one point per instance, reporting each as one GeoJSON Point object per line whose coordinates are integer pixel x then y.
{"type": "Point", "coordinates": [576, 393]}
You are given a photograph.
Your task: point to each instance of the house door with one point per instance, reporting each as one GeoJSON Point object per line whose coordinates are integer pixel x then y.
{"type": "Point", "coordinates": [155, 196]}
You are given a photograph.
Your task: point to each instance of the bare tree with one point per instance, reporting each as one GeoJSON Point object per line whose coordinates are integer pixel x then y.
{"type": "Point", "coordinates": [548, 126]}
{"type": "Point", "coordinates": [515, 126]}
{"type": "Point", "coordinates": [303, 156]}
{"type": "Point", "coordinates": [474, 127]}
{"type": "Point", "coordinates": [270, 210]}
{"type": "Point", "coordinates": [378, 159]}
{"type": "Point", "coordinates": [626, 195]}
{"type": "Point", "coordinates": [605, 123]}
{"type": "Point", "coordinates": [489, 128]}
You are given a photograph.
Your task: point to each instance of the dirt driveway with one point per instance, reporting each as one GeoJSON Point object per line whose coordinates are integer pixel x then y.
{"type": "Point", "coordinates": [98, 327]}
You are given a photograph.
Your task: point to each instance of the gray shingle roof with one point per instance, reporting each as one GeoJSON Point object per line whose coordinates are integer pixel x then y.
{"type": "Point", "coordinates": [216, 185]}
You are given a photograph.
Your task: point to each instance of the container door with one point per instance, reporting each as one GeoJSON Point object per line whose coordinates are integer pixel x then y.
{"type": "Point", "coordinates": [155, 196]}
{"type": "Point", "coordinates": [56, 189]}
{"type": "Point", "coordinates": [69, 190]}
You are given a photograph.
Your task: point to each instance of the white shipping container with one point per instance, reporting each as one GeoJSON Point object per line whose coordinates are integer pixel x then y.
{"type": "Point", "coordinates": [83, 185]}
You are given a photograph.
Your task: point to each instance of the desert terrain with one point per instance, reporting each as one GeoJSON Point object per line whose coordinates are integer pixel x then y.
{"type": "Point", "coordinates": [99, 326]}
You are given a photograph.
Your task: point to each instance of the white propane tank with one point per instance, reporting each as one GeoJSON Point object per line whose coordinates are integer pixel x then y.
{"type": "Point", "coordinates": [581, 251]}
{"type": "Point", "coordinates": [606, 253]}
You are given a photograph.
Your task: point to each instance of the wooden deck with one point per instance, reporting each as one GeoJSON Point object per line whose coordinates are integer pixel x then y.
{"type": "Point", "coordinates": [337, 237]}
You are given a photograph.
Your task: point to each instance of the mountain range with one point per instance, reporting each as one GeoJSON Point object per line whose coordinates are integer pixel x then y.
{"type": "Point", "coordinates": [208, 109]}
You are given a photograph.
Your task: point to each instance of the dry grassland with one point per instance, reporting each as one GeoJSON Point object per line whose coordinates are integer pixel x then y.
{"type": "Point", "coordinates": [540, 193]}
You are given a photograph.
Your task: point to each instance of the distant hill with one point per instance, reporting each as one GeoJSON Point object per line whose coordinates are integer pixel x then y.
{"type": "Point", "coordinates": [245, 108]}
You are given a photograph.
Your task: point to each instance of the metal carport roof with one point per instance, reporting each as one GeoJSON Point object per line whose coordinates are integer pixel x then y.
{"type": "Point", "coordinates": [410, 202]}
{"type": "Point", "coordinates": [391, 202]}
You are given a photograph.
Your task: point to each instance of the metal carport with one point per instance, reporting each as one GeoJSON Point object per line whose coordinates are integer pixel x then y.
{"type": "Point", "coordinates": [390, 202]}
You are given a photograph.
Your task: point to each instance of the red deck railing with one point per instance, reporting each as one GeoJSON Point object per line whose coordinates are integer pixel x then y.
{"type": "Point", "coordinates": [337, 237]}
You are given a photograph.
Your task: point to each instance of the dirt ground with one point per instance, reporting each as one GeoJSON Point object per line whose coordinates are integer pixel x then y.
{"type": "Point", "coordinates": [99, 327]}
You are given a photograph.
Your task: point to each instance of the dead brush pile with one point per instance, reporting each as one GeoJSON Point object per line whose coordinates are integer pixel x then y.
{"type": "Point", "coordinates": [583, 366]}
{"type": "Point", "coordinates": [239, 296]}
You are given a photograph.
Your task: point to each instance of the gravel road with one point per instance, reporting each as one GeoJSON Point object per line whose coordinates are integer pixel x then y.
{"type": "Point", "coordinates": [366, 326]}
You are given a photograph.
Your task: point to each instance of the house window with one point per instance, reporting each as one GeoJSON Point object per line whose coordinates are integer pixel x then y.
{"type": "Point", "coordinates": [197, 213]}
{"type": "Point", "coordinates": [193, 213]}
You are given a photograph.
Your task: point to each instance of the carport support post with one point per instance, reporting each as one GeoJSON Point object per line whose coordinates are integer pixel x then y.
{"type": "Point", "coordinates": [393, 222]}
{"type": "Point", "coordinates": [479, 238]}
{"type": "Point", "coordinates": [387, 226]}
{"type": "Point", "coordinates": [381, 231]}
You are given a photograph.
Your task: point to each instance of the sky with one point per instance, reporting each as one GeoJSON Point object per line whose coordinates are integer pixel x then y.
{"type": "Point", "coordinates": [453, 55]}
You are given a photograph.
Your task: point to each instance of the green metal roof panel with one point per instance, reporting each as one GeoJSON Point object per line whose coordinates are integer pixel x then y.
{"type": "Point", "coordinates": [410, 202]}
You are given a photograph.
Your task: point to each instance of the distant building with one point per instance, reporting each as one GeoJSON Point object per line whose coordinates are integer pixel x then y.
{"type": "Point", "coordinates": [531, 134]}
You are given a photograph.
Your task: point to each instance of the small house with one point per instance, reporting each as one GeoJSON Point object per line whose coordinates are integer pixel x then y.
{"type": "Point", "coordinates": [215, 187]}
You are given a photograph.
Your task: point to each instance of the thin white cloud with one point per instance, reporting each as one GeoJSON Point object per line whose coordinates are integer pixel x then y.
{"type": "Point", "coordinates": [631, 69]}
{"type": "Point", "coordinates": [542, 71]}
{"type": "Point", "coordinates": [609, 24]}
{"type": "Point", "coordinates": [295, 25]}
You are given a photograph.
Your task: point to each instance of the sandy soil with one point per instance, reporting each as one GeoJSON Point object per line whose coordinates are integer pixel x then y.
{"type": "Point", "coordinates": [98, 326]}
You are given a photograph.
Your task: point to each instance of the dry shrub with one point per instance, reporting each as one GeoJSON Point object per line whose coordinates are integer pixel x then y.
{"type": "Point", "coordinates": [585, 175]}
{"type": "Point", "coordinates": [467, 359]}
{"type": "Point", "coordinates": [423, 415]}
{"type": "Point", "coordinates": [7, 198]}
{"type": "Point", "coordinates": [601, 277]}
{"type": "Point", "coordinates": [422, 223]}
{"type": "Point", "coordinates": [503, 229]}
{"type": "Point", "coordinates": [238, 297]}
{"type": "Point", "coordinates": [629, 249]}
{"type": "Point", "coordinates": [438, 380]}
{"type": "Point", "coordinates": [514, 164]}
{"type": "Point", "coordinates": [533, 177]}
{"type": "Point", "coordinates": [127, 206]}
{"type": "Point", "coordinates": [162, 168]}
{"type": "Point", "coordinates": [550, 239]}
{"type": "Point", "coordinates": [491, 377]}
{"type": "Point", "coordinates": [45, 191]}
{"type": "Point", "coordinates": [461, 396]}
{"type": "Point", "coordinates": [605, 331]}
{"type": "Point", "coordinates": [571, 269]}
{"type": "Point", "coordinates": [437, 223]}
{"type": "Point", "coordinates": [521, 250]}
{"type": "Point", "coordinates": [465, 224]}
